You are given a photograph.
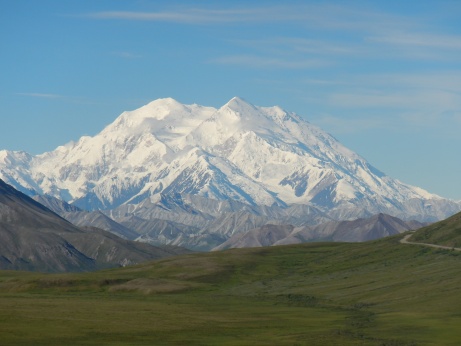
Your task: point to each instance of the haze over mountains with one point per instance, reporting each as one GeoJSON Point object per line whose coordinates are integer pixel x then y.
{"type": "Point", "coordinates": [189, 174]}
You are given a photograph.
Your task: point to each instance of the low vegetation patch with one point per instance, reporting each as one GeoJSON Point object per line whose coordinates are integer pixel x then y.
{"type": "Point", "coordinates": [376, 293]}
{"type": "Point", "coordinates": [445, 233]}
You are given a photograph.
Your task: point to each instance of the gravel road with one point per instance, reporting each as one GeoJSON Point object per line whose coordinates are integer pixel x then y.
{"type": "Point", "coordinates": [404, 240]}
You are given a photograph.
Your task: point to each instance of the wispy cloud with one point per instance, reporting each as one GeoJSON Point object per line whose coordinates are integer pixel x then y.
{"type": "Point", "coordinates": [41, 95]}
{"type": "Point", "coordinates": [341, 125]}
{"type": "Point", "coordinates": [418, 44]}
{"type": "Point", "coordinates": [265, 62]}
{"type": "Point", "coordinates": [300, 45]}
{"type": "Point", "coordinates": [420, 40]}
{"type": "Point", "coordinates": [404, 90]}
{"type": "Point", "coordinates": [64, 98]}
{"type": "Point", "coordinates": [391, 101]}
{"type": "Point", "coordinates": [327, 83]}
{"type": "Point", "coordinates": [366, 32]}
{"type": "Point", "coordinates": [401, 99]}
{"type": "Point", "coordinates": [203, 16]}
{"type": "Point", "coordinates": [444, 81]}
{"type": "Point", "coordinates": [127, 55]}
{"type": "Point", "coordinates": [325, 16]}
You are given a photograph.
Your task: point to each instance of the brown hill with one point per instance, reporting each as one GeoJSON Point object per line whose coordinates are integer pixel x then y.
{"type": "Point", "coordinates": [32, 237]}
{"type": "Point", "coordinates": [375, 227]}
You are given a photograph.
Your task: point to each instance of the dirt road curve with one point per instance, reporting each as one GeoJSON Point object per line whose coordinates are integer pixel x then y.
{"type": "Point", "coordinates": [404, 240]}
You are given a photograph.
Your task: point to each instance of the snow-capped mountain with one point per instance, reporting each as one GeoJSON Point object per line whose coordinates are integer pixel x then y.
{"type": "Point", "coordinates": [258, 156]}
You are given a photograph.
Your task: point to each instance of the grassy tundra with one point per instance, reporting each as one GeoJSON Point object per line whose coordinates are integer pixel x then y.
{"type": "Point", "coordinates": [375, 293]}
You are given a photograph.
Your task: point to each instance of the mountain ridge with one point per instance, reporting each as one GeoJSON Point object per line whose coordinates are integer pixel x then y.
{"type": "Point", "coordinates": [360, 230]}
{"type": "Point", "coordinates": [260, 156]}
{"type": "Point", "coordinates": [34, 238]}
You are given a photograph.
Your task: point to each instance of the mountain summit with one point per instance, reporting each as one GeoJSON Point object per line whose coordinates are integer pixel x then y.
{"type": "Point", "coordinates": [255, 155]}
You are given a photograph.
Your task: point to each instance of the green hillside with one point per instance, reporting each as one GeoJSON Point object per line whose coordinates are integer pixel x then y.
{"type": "Point", "coordinates": [375, 293]}
{"type": "Point", "coordinates": [446, 232]}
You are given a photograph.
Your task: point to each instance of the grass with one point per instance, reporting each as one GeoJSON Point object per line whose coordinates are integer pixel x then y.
{"type": "Point", "coordinates": [376, 293]}
{"type": "Point", "coordinates": [446, 232]}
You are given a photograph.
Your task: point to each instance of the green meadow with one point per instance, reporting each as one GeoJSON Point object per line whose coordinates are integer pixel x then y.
{"type": "Point", "coordinates": [374, 293]}
{"type": "Point", "coordinates": [446, 232]}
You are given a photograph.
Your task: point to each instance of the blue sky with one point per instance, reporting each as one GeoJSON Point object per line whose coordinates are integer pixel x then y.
{"type": "Point", "coordinates": [383, 77]}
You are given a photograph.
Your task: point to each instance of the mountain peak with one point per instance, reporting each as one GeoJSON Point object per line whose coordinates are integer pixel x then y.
{"type": "Point", "coordinates": [157, 110]}
{"type": "Point", "coordinates": [264, 155]}
{"type": "Point", "coordinates": [160, 108]}
{"type": "Point", "coordinates": [166, 102]}
{"type": "Point", "coordinates": [240, 105]}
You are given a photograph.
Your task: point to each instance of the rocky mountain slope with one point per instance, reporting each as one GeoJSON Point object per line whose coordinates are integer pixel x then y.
{"type": "Point", "coordinates": [375, 227]}
{"type": "Point", "coordinates": [229, 229]}
{"type": "Point", "coordinates": [83, 218]}
{"type": "Point", "coordinates": [32, 237]}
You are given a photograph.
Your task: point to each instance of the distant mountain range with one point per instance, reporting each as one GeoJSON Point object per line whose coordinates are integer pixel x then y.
{"type": "Point", "coordinates": [196, 176]}
{"type": "Point", "coordinates": [375, 227]}
{"type": "Point", "coordinates": [32, 237]}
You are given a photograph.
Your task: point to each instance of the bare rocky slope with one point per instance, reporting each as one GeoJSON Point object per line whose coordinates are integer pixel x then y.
{"type": "Point", "coordinates": [32, 237]}
{"type": "Point", "coordinates": [375, 227]}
